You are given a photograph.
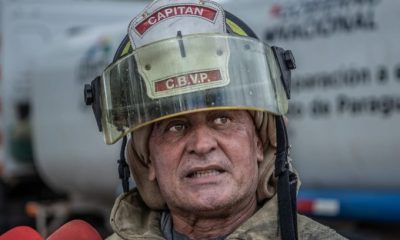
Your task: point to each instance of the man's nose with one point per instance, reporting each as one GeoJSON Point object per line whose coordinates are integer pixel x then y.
{"type": "Point", "coordinates": [201, 140]}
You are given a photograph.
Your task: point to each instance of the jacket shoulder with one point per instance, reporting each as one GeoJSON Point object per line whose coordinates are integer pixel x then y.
{"type": "Point", "coordinates": [114, 236]}
{"type": "Point", "coordinates": [310, 229]}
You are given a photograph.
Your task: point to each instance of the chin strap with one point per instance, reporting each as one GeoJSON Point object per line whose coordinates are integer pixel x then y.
{"type": "Point", "coordinates": [287, 185]}
{"type": "Point", "coordinates": [123, 168]}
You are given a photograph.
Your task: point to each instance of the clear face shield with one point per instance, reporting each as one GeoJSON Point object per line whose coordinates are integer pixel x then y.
{"type": "Point", "coordinates": [186, 74]}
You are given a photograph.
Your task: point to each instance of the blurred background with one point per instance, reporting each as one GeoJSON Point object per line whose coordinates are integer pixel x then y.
{"type": "Point", "coordinates": [343, 117]}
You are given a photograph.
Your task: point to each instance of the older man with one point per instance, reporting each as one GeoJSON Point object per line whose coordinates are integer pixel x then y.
{"type": "Point", "coordinates": [202, 99]}
{"type": "Point", "coordinates": [206, 166]}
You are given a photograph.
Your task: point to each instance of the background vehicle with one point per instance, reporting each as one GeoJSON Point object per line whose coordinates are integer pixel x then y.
{"type": "Point", "coordinates": [42, 160]}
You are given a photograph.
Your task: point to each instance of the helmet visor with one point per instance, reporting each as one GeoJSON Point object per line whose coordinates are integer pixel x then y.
{"type": "Point", "coordinates": [185, 74]}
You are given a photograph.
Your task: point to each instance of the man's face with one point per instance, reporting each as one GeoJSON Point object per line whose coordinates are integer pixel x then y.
{"type": "Point", "coordinates": [206, 161]}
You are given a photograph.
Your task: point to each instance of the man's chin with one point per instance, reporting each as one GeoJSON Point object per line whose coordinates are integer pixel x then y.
{"type": "Point", "coordinates": [209, 195]}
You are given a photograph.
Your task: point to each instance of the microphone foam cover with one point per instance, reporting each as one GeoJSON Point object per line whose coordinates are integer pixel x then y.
{"type": "Point", "coordinates": [75, 230]}
{"type": "Point", "coordinates": [21, 233]}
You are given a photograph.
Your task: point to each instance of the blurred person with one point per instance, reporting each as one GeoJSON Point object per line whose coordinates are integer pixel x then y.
{"type": "Point", "coordinates": [202, 100]}
{"type": "Point", "coordinates": [21, 140]}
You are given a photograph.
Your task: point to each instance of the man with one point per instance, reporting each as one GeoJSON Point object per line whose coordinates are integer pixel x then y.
{"type": "Point", "coordinates": [202, 99]}
{"type": "Point", "coordinates": [206, 166]}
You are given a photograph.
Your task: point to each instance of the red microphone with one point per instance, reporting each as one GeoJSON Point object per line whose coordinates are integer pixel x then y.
{"type": "Point", "coordinates": [21, 233]}
{"type": "Point", "coordinates": [75, 230]}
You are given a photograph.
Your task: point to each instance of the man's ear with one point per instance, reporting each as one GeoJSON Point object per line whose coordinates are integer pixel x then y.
{"type": "Point", "coordinates": [259, 150]}
{"type": "Point", "coordinates": [152, 172]}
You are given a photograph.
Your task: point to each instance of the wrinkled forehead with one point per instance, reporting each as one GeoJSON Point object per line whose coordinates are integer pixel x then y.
{"type": "Point", "coordinates": [207, 113]}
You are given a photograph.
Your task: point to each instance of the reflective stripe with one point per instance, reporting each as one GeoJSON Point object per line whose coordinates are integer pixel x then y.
{"type": "Point", "coordinates": [235, 28]}
{"type": "Point", "coordinates": [321, 207]}
{"type": "Point", "coordinates": [126, 49]}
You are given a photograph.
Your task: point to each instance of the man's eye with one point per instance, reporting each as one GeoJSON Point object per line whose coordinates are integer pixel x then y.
{"type": "Point", "coordinates": [176, 127]}
{"type": "Point", "coordinates": [221, 120]}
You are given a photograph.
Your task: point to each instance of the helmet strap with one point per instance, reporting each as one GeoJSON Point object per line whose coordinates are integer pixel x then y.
{"type": "Point", "coordinates": [123, 168]}
{"type": "Point", "coordinates": [287, 184]}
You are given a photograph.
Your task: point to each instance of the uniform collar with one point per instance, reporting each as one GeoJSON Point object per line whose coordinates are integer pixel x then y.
{"type": "Point", "coordinates": [132, 219]}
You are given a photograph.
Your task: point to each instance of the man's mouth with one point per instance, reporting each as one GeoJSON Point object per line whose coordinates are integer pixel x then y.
{"type": "Point", "coordinates": [205, 173]}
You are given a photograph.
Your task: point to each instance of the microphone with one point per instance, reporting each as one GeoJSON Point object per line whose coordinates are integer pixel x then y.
{"type": "Point", "coordinates": [75, 230]}
{"type": "Point", "coordinates": [21, 233]}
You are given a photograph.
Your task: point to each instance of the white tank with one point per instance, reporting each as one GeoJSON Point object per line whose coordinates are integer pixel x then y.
{"type": "Point", "coordinates": [70, 152]}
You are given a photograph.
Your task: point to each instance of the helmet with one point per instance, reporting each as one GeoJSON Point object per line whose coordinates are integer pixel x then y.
{"type": "Point", "coordinates": [166, 67]}
{"type": "Point", "coordinates": [183, 56]}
